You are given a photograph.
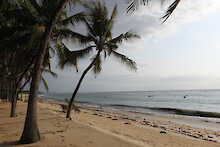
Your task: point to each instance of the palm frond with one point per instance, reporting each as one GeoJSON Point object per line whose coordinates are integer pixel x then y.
{"type": "Point", "coordinates": [91, 31]}
{"type": "Point", "coordinates": [82, 52]}
{"type": "Point", "coordinates": [97, 67]}
{"type": "Point", "coordinates": [170, 10]}
{"type": "Point", "coordinates": [126, 36]}
{"type": "Point", "coordinates": [49, 8]}
{"type": "Point", "coordinates": [47, 60]}
{"type": "Point", "coordinates": [64, 57]}
{"type": "Point", "coordinates": [76, 18]}
{"type": "Point", "coordinates": [88, 4]}
{"type": "Point", "coordinates": [133, 5]}
{"type": "Point", "coordinates": [44, 83]}
{"type": "Point", "coordinates": [32, 6]}
{"type": "Point", "coordinates": [112, 46]}
{"type": "Point", "coordinates": [111, 21]}
{"type": "Point", "coordinates": [36, 6]}
{"type": "Point", "coordinates": [114, 13]}
{"type": "Point", "coordinates": [67, 33]}
{"type": "Point", "coordinates": [69, 58]}
{"type": "Point", "coordinates": [97, 19]}
{"type": "Point", "coordinates": [49, 72]}
{"type": "Point", "coordinates": [21, 15]}
{"type": "Point", "coordinates": [125, 60]}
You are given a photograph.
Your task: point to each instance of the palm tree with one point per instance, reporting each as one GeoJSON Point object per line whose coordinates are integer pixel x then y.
{"type": "Point", "coordinates": [43, 17]}
{"type": "Point", "coordinates": [12, 54]}
{"type": "Point", "coordinates": [133, 5]}
{"type": "Point", "coordinates": [16, 59]}
{"type": "Point", "coordinates": [48, 15]}
{"type": "Point", "coordinates": [99, 37]}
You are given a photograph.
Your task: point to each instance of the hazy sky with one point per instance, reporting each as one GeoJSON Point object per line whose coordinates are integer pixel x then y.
{"type": "Point", "coordinates": [183, 53]}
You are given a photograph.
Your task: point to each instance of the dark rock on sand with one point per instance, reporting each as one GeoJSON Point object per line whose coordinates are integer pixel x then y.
{"type": "Point", "coordinates": [163, 132]}
{"type": "Point", "coordinates": [205, 139]}
{"type": "Point", "coordinates": [194, 136]}
{"type": "Point", "coordinates": [127, 123]}
{"type": "Point", "coordinates": [155, 126]}
{"type": "Point", "coordinates": [212, 140]}
{"type": "Point", "coordinates": [162, 127]}
{"type": "Point", "coordinates": [200, 135]}
{"type": "Point", "coordinates": [124, 117]}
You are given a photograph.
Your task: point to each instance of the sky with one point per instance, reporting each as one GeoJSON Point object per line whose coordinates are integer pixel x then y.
{"type": "Point", "coordinates": [182, 53]}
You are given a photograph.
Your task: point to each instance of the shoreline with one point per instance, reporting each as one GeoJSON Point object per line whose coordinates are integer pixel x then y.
{"type": "Point", "coordinates": [94, 127]}
{"type": "Point", "coordinates": [185, 117]}
{"type": "Point", "coordinates": [203, 128]}
{"type": "Point", "coordinates": [147, 109]}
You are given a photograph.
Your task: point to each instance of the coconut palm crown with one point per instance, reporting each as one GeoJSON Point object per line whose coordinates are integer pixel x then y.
{"type": "Point", "coordinates": [99, 38]}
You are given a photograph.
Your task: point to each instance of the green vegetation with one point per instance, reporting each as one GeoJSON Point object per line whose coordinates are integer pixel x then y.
{"type": "Point", "coordinates": [99, 38]}
{"type": "Point", "coordinates": [39, 27]}
{"type": "Point", "coordinates": [32, 30]}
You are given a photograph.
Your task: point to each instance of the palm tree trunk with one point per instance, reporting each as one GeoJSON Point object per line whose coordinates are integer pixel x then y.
{"type": "Point", "coordinates": [14, 91]}
{"type": "Point", "coordinates": [13, 105]}
{"type": "Point", "coordinates": [17, 88]}
{"type": "Point", "coordinates": [79, 83]}
{"type": "Point", "coordinates": [31, 132]}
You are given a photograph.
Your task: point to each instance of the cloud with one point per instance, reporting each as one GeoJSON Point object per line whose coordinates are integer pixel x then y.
{"type": "Point", "coordinates": [189, 11]}
{"type": "Point", "coordinates": [146, 20]}
{"type": "Point", "coordinates": [160, 75]}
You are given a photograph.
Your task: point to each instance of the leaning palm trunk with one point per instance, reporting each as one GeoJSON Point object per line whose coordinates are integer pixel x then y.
{"type": "Point", "coordinates": [79, 83]}
{"type": "Point", "coordinates": [99, 27]}
{"type": "Point", "coordinates": [31, 132]}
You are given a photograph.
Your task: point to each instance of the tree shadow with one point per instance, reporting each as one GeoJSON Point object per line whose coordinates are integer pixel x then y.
{"type": "Point", "coordinates": [9, 144]}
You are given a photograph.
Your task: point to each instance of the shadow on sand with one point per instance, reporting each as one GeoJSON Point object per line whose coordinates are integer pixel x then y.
{"type": "Point", "coordinates": [9, 144]}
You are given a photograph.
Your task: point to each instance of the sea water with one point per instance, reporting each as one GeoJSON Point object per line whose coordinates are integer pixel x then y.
{"type": "Point", "coordinates": [142, 101]}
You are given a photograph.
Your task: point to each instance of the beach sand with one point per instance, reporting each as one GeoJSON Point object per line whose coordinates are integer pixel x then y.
{"type": "Point", "coordinates": [100, 128]}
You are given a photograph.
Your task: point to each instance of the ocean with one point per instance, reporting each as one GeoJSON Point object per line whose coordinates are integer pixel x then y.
{"type": "Point", "coordinates": [150, 101]}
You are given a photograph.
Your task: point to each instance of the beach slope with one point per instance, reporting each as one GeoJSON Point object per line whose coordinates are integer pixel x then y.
{"type": "Point", "coordinates": [88, 130]}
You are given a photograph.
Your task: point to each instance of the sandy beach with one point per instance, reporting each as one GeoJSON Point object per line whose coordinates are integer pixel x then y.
{"type": "Point", "coordinates": [100, 127]}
